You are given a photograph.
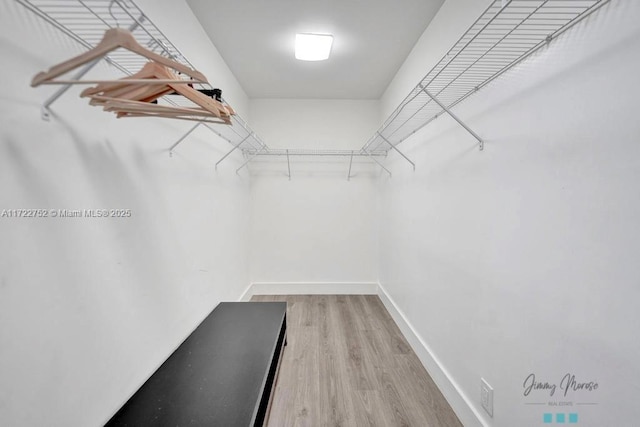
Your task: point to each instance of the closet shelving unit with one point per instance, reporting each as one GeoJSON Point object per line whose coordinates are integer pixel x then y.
{"type": "Point", "coordinates": [289, 153]}
{"type": "Point", "coordinates": [506, 33]}
{"type": "Point", "coordinates": [86, 21]}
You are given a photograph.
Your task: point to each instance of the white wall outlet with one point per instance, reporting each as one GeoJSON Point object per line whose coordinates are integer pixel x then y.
{"type": "Point", "coordinates": [486, 396]}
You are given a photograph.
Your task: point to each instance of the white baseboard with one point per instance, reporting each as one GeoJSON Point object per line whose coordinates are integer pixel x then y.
{"type": "Point", "coordinates": [247, 294]}
{"type": "Point", "coordinates": [458, 400]}
{"type": "Point", "coordinates": [310, 288]}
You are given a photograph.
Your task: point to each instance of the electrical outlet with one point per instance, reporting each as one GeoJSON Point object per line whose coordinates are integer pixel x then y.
{"type": "Point", "coordinates": [486, 396]}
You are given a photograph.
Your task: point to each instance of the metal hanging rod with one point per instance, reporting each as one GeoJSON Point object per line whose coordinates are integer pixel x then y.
{"type": "Point", "coordinates": [288, 153]}
{"type": "Point", "coordinates": [506, 33]}
{"type": "Point", "coordinates": [312, 153]}
{"type": "Point", "coordinates": [284, 153]}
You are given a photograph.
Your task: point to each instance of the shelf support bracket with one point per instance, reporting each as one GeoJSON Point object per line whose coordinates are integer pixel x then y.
{"type": "Point", "coordinates": [182, 139]}
{"type": "Point", "coordinates": [376, 160]}
{"type": "Point", "coordinates": [460, 122]}
{"type": "Point", "coordinates": [350, 163]}
{"type": "Point", "coordinates": [45, 111]}
{"type": "Point", "coordinates": [250, 159]}
{"type": "Point", "coordinates": [235, 147]}
{"type": "Point", "coordinates": [398, 151]}
{"type": "Point", "coordinates": [288, 165]}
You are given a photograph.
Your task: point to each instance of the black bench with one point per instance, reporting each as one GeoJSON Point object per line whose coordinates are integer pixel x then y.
{"type": "Point", "coordinates": [221, 375]}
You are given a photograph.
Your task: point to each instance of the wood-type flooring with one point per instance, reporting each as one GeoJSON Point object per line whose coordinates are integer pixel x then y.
{"type": "Point", "coordinates": [348, 364]}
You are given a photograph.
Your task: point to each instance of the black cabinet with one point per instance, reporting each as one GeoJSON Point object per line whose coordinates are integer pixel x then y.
{"type": "Point", "coordinates": [221, 375]}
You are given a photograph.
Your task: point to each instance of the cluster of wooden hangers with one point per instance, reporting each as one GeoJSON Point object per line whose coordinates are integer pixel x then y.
{"type": "Point", "coordinates": [137, 95]}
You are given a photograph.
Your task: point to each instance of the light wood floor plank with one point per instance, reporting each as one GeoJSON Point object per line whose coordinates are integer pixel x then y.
{"type": "Point", "coordinates": [347, 364]}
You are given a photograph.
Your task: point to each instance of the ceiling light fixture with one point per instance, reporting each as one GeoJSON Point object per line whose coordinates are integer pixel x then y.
{"type": "Point", "coordinates": [313, 47]}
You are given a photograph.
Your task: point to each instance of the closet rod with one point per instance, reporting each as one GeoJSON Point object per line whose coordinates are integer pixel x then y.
{"type": "Point", "coordinates": [313, 153]}
{"type": "Point", "coordinates": [288, 153]}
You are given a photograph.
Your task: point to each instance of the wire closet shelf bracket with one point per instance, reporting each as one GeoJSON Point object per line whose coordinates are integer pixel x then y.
{"type": "Point", "coordinates": [507, 32]}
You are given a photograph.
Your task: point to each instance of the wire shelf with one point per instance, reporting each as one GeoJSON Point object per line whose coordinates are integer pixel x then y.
{"type": "Point", "coordinates": [86, 21]}
{"type": "Point", "coordinates": [311, 152]}
{"type": "Point", "coordinates": [505, 34]}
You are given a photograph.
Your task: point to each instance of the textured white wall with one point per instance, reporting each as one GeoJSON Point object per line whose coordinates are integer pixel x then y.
{"type": "Point", "coordinates": [522, 259]}
{"type": "Point", "coordinates": [318, 227]}
{"type": "Point", "coordinates": [89, 308]}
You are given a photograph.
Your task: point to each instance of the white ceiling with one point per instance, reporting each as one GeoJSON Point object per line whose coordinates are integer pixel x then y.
{"type": "Point", "coordinates": [372, 38]}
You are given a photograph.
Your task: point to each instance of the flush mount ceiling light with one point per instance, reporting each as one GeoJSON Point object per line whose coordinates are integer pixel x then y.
{"type": "Point", "coordinates": [313, 47]}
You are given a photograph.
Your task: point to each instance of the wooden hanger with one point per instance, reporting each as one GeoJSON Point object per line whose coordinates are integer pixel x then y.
{"type": "Point", "coordinates": [113, 38]}
{"type": "Point", "coordinates": [194, 119]}
{"type": "Point", "coordinates": [128, 108]}
{"type": "Point", "coordinates": [127, 88]}
{"type": "Point", "coordinates": [123, 90]}
{"type": "Point", "coordinates": [150, 74]}
{"type": "Point", "coordinates": [125, 105]}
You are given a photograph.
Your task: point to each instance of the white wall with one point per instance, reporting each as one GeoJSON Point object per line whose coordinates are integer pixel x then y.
{"type": "Point", "coordinates": [523, 258]}
{"type": "Point", "coordinates": [515, 260]}
{"type": "Point", "coordinates": [452, 20]}
{"type": "Point", "coordinates": [178, 23]}
{"type": "Point", "coordinates": [314, 123]}
{"type": "Point", "coordinates": [318, 227]}
{"type": "Point", "coordinates": [89, 308]}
